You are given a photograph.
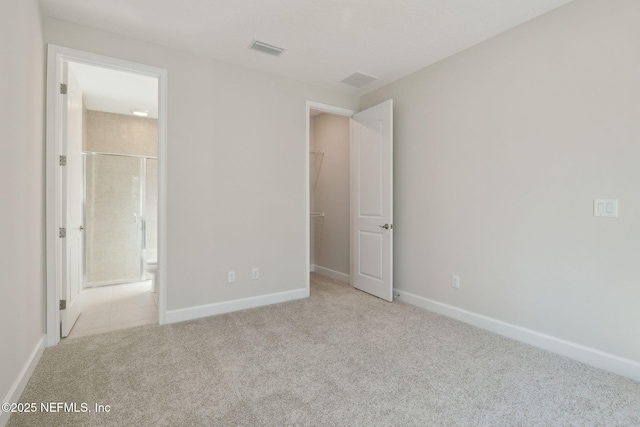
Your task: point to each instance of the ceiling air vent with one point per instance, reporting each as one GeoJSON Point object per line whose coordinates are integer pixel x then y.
{"type": "Point", "coordinates": [359, 79]}
{"type": "Point", "coordinates": [266, 48]}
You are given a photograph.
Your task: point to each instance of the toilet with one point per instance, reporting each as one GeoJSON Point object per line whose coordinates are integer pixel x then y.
{"type": "Point", "coordinates": [150, 265]}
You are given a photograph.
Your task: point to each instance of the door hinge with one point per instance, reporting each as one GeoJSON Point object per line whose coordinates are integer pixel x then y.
{"type": "Point", "coordinates": [62, 232]}
{"type": "Point", "coordinates": [63, 88]}
{"type": "Point", "coordinates": [63, 304]}
{"type": "Point", "coordinates": [63, 160]}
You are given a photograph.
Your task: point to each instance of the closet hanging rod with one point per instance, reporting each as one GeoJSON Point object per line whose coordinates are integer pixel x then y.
{"type": "Point", "coordinates": [317, 213]}
{"type": "Point", "coordinates": [316, 151]}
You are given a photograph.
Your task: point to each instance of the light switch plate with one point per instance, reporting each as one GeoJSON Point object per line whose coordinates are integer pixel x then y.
{"type": "Point", "coordinates": [605, 207]}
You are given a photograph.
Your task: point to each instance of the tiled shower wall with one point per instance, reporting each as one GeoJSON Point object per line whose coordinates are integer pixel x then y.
{"type": "Point", "coordinates": [113, 204]}
{"type": "Point", "coordinates": [121, 134]}
{"type": "Point", "coordinates": [151, 203]}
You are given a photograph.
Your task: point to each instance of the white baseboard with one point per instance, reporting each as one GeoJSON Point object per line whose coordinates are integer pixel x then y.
{"type": "Point", "coordinates": [184, 314]}
{"type": "Point", "coordinates": [312, 268]}
{"type": "Point", "coordinates": [20, 383]}
{"type": "Point", "coordinates": [587, 355]}
{"type": "Point", "coordinates": [332, 273]}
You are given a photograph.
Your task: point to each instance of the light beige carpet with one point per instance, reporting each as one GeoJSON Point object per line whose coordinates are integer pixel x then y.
{"type": "Point", "coordinates": [339, 358]}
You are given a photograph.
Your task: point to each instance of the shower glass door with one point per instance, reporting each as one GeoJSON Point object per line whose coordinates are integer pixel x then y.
{"type": "Point", "coordinates": [113, 218]}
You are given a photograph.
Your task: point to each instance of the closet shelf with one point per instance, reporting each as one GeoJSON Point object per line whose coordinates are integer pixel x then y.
{"type": "Point", "coordinates": [317, 213]}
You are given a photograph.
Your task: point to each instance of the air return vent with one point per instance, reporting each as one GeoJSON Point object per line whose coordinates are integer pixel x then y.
{"type": "Point", "coordinates": [359, 79]}
{"type": "Point", "coordinates": [266, 48]}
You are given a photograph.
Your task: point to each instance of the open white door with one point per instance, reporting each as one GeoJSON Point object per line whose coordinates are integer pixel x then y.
{"type": "Point", "coordinates": [71, 177]}
{"type": "Point", "coordinates": [372, 200]}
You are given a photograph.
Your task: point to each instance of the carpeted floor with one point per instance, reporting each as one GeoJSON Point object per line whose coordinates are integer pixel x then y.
{"type": "Point", "coordinates": [339, 358]}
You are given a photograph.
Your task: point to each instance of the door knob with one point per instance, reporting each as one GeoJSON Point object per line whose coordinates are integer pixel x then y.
{"type": "Point", "coordinates": [386, 226]}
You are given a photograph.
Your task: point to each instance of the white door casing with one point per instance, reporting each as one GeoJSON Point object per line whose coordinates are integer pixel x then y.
{"type": "Point", "coordinates": [372, 200]}
{"type": "Point", "coordinates": [71, 177]}
{"type": "Point", "coordinates": [56, 56]}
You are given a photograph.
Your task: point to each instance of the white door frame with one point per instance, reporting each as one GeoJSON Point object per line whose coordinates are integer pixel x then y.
{"type": "Point", "coordinates": [312, 105]}
{"type": "Point", "coordinates": [56, 55]}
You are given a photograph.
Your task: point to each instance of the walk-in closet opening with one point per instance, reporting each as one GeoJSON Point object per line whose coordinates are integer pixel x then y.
{"type": "Point", "coordinates": [329, 182]}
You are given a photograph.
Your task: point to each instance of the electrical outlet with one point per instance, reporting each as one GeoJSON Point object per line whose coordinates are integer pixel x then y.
{"type": "Point", "coordinates": [255, 273]}
{"type": "Point", "coordinates": [455, 281]}
{"type": "Point", "coordinates": [231, 276]}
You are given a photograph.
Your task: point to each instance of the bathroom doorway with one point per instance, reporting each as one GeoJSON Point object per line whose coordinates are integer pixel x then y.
{"type": "Point", "coordinates": [121, 122]}
{"type": "Point", "coordinates": [120, 194]}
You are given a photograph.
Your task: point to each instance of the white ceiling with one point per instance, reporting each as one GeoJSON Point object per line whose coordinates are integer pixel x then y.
{"type": "Point", "coordinates": [325, 40]}
{"type": "Point", "coordinates": [115, 91]}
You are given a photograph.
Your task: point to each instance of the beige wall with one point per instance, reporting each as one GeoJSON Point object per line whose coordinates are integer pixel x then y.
{"type": "Point", "coordinates": [330, 133]}
{"type": "Point", "coordinates": [22, 274]}
{"type": "Point", "coordinates": [499, 153]}
{"type": "Point", "coordinates": [236, 169]}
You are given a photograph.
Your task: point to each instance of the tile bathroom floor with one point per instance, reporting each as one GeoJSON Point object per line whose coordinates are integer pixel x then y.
{"type": "Point", "coordinates": [108, 308]}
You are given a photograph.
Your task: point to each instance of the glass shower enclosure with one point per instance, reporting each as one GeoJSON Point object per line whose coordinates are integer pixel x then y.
{"type": "Point", "coordinates": [121, 216]}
